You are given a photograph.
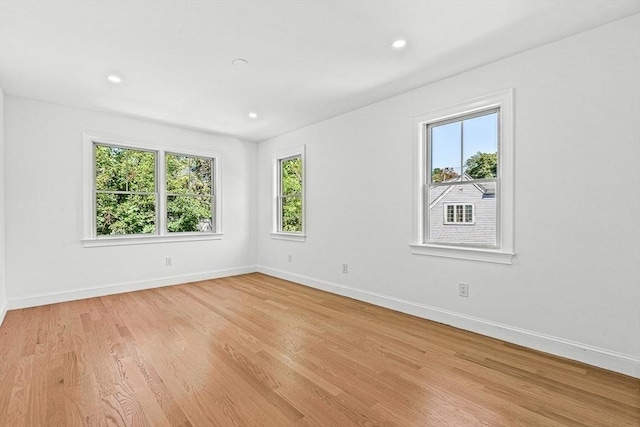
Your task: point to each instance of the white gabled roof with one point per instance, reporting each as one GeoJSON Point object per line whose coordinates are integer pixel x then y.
{"type": "Point", "coordinates": [484, 188]}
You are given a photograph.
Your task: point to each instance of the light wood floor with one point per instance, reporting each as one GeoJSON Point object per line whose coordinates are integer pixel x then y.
{"type": "Point", "coordinates": [258, 351]}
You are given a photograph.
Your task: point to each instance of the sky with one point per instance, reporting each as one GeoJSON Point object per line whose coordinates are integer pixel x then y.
{"type": "Point", "coordinates": [480, 134]}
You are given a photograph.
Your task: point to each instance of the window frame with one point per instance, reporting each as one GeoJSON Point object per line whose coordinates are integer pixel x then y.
{"type": "Point", "coordinates": [503, 253]}
{"type": "Point", "coordinates": [277, 159]}
{"type": "Point", "coordinates": [89, 235]}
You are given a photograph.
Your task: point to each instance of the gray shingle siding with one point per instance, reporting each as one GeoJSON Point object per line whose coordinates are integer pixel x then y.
{"type": "Point", "coordinates": [481, 232]}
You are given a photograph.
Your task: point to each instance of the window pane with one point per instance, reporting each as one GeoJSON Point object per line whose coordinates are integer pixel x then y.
{"type": "Point", "coordinates": [125, 214]}
{"type": "Point", "coordinates": [446, 149]}
{"type": "Point", "coordinates": [468, 213]}
{"type": "Point", "coordinates": [291, 176]}
{"type": "Point", "coordinates": [454, 224]}
{"type": "Point", "coordinates": [188, 175]}
{"type": "Point", "coordinates": [291, 214]}
{"type": "Point", "coordinates": [189, 214]}
{"type": "Point", "coordinates": [123, 169]}
{"type": "Point", "coordinates": [450, 215]}
{"type": "Point", "coordinates": [480, 146]}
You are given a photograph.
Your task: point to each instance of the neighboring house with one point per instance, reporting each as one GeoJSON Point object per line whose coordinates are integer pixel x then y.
{"type": "Point", "coordinates": [463, 213]}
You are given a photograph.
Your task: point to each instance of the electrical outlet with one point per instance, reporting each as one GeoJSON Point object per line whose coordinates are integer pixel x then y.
{"type": "Point", "coordinates": [168, 261]}
{"type": "Point", "coordinates": [290, 258]}
{"type": "Point", "coordinates": [345, 268]}
{"type": "Point", "coordinates": [463, 289]}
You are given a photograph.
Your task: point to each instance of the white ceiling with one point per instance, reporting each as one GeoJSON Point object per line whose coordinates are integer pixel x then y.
{"type": "Point", "coordinates": [308, 60]}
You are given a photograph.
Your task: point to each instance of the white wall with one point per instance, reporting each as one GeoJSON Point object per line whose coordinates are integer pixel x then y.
{"type": "Point", "coordinates": [45, 258]}
{"type": "Point", "coordinates": [3, 296]}
{"type": "Point", "coordinates": [574, 287]}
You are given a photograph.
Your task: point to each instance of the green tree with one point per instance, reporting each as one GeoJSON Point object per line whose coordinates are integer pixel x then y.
{"type": "Point", "coordinates": [125, 186]}
{"type": "Point", "coordinates": [126, 192]}
{"type": "Point", "coordinates": [482, 165]}
{"type": "Point", "coordinates": [291, 190]}
{"type": "Point", "coordinates": [189, 196]}
{"type": "Point", "coordinates": [439, 175]}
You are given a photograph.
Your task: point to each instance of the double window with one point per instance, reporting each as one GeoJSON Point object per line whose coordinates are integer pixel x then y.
{"type": "Point", "coordinates": [137, 194]}
{"type": "Point", "coordinates": [288, 202]}
{"type": "Point", "coordinates": [464, 184]}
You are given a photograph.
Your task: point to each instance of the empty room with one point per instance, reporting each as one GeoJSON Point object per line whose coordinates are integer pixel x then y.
{"type": "Point", "coordinates": [320, 213]}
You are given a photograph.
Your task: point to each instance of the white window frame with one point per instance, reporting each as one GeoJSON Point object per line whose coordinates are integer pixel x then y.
{"type": "Point", "coordinates": [277, 157]}
{"type": "Point", "coordinates": [90, 237]}
{"type": "Point", "coordinates": [504, 251]}
{"type": "Point", "coordinates": [464, 205]}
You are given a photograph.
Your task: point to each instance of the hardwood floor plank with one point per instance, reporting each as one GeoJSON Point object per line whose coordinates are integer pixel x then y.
{"type": "Point", "coordinates": [255, 350]}
{"type": "Point", "coordinates": [157, 387]}
{"type": "Point", "coordinates": [16, 414]}
{"type": "Point", "coordinates": [55, 406]}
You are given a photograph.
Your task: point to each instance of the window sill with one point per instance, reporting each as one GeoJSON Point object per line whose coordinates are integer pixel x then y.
{"type": "Point", "coordinates": [143, 240]}
{"type": "Point", "coordinates": [471, 254]}
{"type": "Point", "coordinates": [292, 237]}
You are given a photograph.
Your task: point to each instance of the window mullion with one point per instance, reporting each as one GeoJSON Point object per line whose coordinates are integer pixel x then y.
{"type": "Point", "coordinates": [462, 150]}
{"type": "Point", "coordinates": [161, 193]}
{"type": "Point", "coordinates": [213, 203]}
{"type": "Point", "coordinates": [280, 206]}
{"type": "Point", "coordinates": [94, 195]}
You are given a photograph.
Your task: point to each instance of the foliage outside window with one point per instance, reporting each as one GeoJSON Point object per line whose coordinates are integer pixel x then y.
{"type": "Point", "coordinates": [189, 193]}
{"type": "Point", "coordinates": [137, 194]}
{"type": "Point", "coordinates": [290, 195]}
{"type": "Point", "coordinates": [125, 191]}
{"type": "Point", "coordinates": [288, 203]}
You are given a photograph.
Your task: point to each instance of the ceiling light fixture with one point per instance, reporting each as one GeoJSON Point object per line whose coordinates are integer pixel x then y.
{"type": "Point", "coordinates": [114, 79]}
{"type": "Point", "coordinates": [240, 63]}
{"type": "Point", "coordinates": [399, 44]}
{"type": "Point", "coordinates": [253, 115]}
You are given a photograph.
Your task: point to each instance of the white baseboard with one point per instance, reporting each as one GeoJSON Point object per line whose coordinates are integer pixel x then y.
{"type": "Point", "coordinates": [3, 312]}
{"type": "Point", "coordinates": [595, 356]}
{"type": "Point", "coordinates": [76, 294]}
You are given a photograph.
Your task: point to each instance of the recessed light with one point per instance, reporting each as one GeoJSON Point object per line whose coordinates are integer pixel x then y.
{"type": "Point", "coordinates": [114, 79]}
{"type": "Point", "coordinates": [253, 115]}
{"type": "Point", "coordinates": [399, 44]}
{"type": "Point", "coordinates": [240, 63]}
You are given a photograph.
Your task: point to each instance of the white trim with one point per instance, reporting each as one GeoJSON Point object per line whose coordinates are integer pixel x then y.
{"type": "Point", "coordinates": [276, 157]}
{"type": "Point", "coordinates": [292, 237]}
{"type": "Point", "coordinates": [140, 239]}
{"type": "Point", "coordinates": [505, 202]}
{"type": "Point", "coordinates": [461, 252]}
{"type": "Point", "coordinates": [596, 356]}
{"type": "Point", "coordinates": [3, 311]}
{"type": "Point", "coordinates": [98, 291]}
{"type": "Point", "coordinates": [89, 238]}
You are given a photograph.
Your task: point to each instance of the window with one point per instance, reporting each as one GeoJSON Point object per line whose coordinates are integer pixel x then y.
{"type": "Point", "coordinates": [189, 193]}
{"type": "Point", "coordinates": [288, 203]}
{"type": "Point", "coordinates": [458, 214]}
{"type": "Point", "coordinates": [138, 194]}
{"type": "Point", "coordinates": [125, 190]}
{"type": "Point", "coordinates": [464, 185]}
{"type": "Point", "coordinates": [462, 156]}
